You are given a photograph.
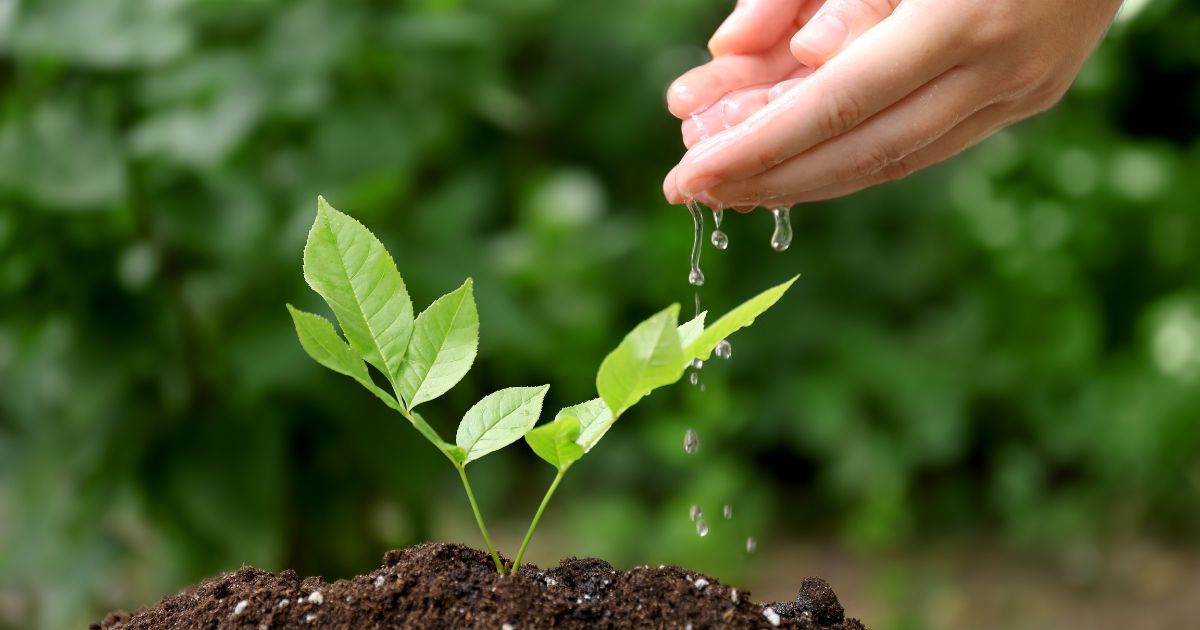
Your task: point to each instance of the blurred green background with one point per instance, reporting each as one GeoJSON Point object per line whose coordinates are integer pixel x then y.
{"type": "Point", "coordinates": [989, 367]}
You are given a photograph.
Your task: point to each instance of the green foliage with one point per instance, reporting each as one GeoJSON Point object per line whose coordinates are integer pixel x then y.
{"type": "Point", "coordinates": [345, 264]}
{"type": "Point", "coordinates": [442, 349]}
{"type": "Point", "coordinates": [1002, 344]}
{"type": "Point", "coordinates": [498, 420]}
{"type": "Point", "coordinates": [352, 270]}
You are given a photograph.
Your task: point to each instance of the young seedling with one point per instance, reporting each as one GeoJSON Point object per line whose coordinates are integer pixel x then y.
{"type": "Point", "coordinates": [422, 357]}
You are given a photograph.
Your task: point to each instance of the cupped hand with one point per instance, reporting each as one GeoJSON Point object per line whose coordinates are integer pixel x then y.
{"type": "Point", "coordinates": [898, 85]}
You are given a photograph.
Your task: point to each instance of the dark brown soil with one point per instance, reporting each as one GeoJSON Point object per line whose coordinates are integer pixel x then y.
{"type": "Point", "coordinates": [453, 586]}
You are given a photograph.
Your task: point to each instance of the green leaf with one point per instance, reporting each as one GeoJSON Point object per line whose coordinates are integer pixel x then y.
{"type": "Point", "coordinates": [556, 442]}
{"type": "Point", "coordinates": [498, 420]}
{"type": "Point", "coordinates": [443, 346]}
{"type": "Point", "coordinates": [322, 343]}
{"type": "Point", "coordinates": [594, 419]}
{"type": "Point", "coordinates": [690, 330]}
{"type": "Point", "coordinates": [734, 320]}
{"type": "Point", "coordinates": [647, 358]}
{"type": "Point", "coordinates": [350, 268]}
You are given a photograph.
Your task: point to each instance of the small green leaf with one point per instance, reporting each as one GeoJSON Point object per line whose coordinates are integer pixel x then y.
{"type": "Point", "coordinates": [647, 358]}
{"type": "Point", "coordinates": [690, 330]}
{"type": "Point", "coordinates": [443, 346]}
{"type": "Point", "coordinates": [349, 267]}
{"type": "Point", "coordinates": [322, 343]}
{"type": "Point", "coordinates": [556, 442]}
{"type": "Point", "coordinates": [734, 320]}
{"type": "Point", "coordinates": [498, 420]}
{"type": "Point", "coordinates": [594, 419]}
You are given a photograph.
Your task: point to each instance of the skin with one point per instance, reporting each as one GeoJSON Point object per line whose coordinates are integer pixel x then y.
{"type": "Point", "coordinates": [807, 100]}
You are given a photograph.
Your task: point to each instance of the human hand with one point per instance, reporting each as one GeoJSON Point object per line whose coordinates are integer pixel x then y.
{"type": "Point", "coordinates": [899, 85]}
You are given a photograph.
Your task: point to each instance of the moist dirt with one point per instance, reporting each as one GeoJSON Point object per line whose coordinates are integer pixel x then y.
{"type": "Point", "coordinates": [455, 586]}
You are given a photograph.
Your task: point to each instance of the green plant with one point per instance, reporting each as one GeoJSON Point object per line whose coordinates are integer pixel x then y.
{"type": "Point", "coordinates": [422, 357]}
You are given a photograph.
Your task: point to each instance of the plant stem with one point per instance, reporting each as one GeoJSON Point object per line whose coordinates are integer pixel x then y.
{"type": "Point", "coordinates": [537, 517]}
{"type": "Point", "coordinates": [462, 473]}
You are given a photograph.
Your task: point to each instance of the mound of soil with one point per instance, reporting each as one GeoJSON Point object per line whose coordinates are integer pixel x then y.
{"type": "Point", "coordinates": [453, 586]}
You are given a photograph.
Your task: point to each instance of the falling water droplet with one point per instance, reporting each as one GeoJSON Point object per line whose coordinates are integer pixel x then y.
{"type": "Point", "coordinates": [691, 442]}
{"type": "Point", "coordinates": [724, 350]}
{"type": "Point", "coordinates": [751, 545]}
{"type": "Point", "coordinates": [695, 276]}
{"type": "Point", "coordinates": [695, 512]}
{"type": "Point", "coordinates": [720, 240]}
{"type": "Point", "coordinates": [697, 364]}
{"type": "Point", "coordinates": [701, 526]}
{"type": "Point", "coordinates": [694, 378]}
{"type": "Point", "coordinates": [781, 239]}
{"type": "Point", "coordinates": [728, 511]}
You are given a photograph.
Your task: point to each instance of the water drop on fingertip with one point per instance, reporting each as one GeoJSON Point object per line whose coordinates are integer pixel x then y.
{"type": "Point", "coordinates": [691, 441]}
{"type": "Point", "coordinates": [717, 214]}
{"type": "Point", "coordinates": [781, 239]}
{"type": "Point", "coordinates": [724, 349]}
{"type": "Point", "coordinates": [695, 276]}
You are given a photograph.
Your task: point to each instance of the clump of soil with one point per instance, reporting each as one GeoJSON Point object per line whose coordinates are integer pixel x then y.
{"type": "Point", "coordinates": [454, 586]}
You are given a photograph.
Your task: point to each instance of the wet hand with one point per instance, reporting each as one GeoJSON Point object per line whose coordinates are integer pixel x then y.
{"type": "Point", "coordinates": [898, 85]}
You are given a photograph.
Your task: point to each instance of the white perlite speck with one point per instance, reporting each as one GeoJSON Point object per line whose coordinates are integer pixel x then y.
{"type": "Point", "coordinates": [283, 602]}
{"type": "Point", "coordinates": [237, 610]}
{"type": "Point", "coordinates": [316, 598]}
{"type": "Point", "coordinates": [379, 581]}
{"type": "Point", "coordinates": [733, 595]}
{"type": "Point", "coordinates": [700, 583]}
{"type": "Point", "coordinates": [311, 618]}
{"type": "Point", "coordinates": [507, 626]}
{"type": "Point", "coordinates": [771, 616]}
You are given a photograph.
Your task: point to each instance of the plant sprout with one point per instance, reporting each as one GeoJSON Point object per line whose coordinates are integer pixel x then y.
{"type": "Point", "coordinates": [422, 357]}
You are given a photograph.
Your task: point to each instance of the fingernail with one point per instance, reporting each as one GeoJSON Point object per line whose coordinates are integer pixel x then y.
{"type": "Point", "coordinates": [697, 186]}
{"type": "Point", "coordinates": [706, 199]}
{"type": "Point", "coordinates": [823, 36]}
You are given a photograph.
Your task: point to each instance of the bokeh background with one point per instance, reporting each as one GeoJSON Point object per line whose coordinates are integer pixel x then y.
{"type": "Point", "coordinates": [978, 408]}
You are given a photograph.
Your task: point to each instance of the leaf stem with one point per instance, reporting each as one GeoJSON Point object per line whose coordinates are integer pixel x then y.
{"type": "Point", "coordinates": [462, 473]}
{"type": "Point", "coordinates": [537, 517]}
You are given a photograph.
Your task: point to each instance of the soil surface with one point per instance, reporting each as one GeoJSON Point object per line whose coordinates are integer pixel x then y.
{"type": "Point", "coordinates": [454, 586]}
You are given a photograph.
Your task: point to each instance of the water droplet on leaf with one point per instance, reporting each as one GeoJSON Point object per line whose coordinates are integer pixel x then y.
{"type": "Point", "coordinates": [691, 442]}
{"type": "Point", "coordinates": [694, 378]}
{"type": "Point", "coordinates": [728, 511]}
{"type": "Point", "coordinates": [695, 512]}
{"type": "Point", "coordinates": [723, 350]}
{"type": "Point", "coordinates": [701, 527]}
{"type": "Point", "coordinates": [751, 545]}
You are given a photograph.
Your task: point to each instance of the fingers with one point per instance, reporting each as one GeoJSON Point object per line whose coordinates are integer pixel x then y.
{"type": "Point", "coordinates": [895, 58]}
{"type": "Point", "coordinates": [734, 108]}
{"type": "Point", "coordinates": [702, 86]}
{"type": "Point", "coordinates": [725, 113]}
{"type": "Point", "coordinates": [969, 132]}
{"type": "Point", "coordinates": [756, 25]}
{"type": "Point", "coordinates": [835, 25]}
{"type": "Point", "coordinates": [899, 131]}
